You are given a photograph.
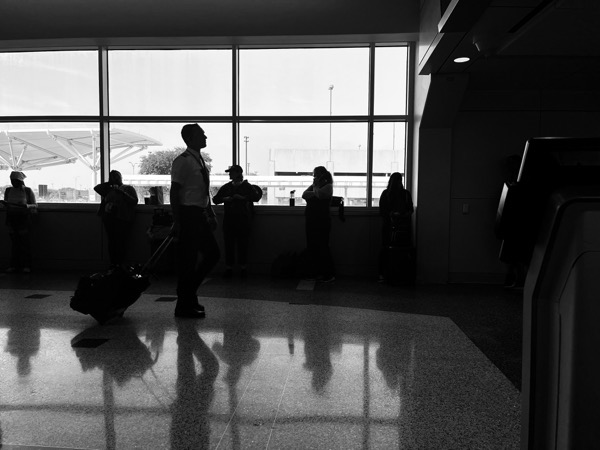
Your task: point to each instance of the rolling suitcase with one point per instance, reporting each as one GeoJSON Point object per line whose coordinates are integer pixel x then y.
{"type": "Point", "coordinates": [106, 295]}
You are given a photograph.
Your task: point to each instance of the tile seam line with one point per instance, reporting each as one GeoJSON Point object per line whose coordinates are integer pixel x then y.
{"type": "Point", "coordinates": [252, 377]}
{"type": "Point", "coordinates": [278, 407]}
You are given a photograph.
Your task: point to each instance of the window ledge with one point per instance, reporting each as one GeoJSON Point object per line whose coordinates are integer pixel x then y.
{"type": "Point", "coordinates": [259, 209]}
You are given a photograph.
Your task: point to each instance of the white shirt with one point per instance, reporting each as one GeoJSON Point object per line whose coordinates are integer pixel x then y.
{"type": "Point", "coordinates": [186, 171]}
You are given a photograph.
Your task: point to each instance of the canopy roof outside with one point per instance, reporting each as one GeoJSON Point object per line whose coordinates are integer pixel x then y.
{"type": "Point", "coordinates": [35, 149]}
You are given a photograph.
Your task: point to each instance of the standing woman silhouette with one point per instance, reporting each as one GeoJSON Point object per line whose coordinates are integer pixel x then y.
{"type": "Point", "coordinates": [318, 224]}
{"type": "Point", "coordinates": [395, 209]}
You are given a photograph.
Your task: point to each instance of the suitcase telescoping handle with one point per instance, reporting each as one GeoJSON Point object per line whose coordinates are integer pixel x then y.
{"type": "Point", "coordinates": [157, 254]}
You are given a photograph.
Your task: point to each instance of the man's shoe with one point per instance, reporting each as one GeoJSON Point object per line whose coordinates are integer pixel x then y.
{"type": "Point", "coordinates": [190, 314]}
{"type": "Point", "coordinates": [328, 279]}
{"type": "Point", "coordinates": [198, 308]}
{"type": "Point", "coordinates": [26, 270]}
{"type": "Point", "coordinates": [11, 270]}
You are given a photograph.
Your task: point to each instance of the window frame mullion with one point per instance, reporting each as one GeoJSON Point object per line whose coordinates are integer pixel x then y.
{"type": "Point", "coordinates": [371, 125]}
{"type": "Point", "coordinates": [235, 106]}
{"type": "Point", "coordinates": [104, 114]}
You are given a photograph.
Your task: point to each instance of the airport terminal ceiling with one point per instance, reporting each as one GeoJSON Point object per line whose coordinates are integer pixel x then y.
{"type": "Point", "coordinates": [107, 19]}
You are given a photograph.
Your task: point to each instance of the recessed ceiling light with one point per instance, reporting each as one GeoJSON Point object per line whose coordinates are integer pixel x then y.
{"type": "Point", "coordinates": [462, 59]}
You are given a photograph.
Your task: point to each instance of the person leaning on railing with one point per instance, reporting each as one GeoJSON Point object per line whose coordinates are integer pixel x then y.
{"type": "Point", "coordinates": [20, 204]}
{"type": "Point", "coordinates": [318, 224]}
{"type": "Point", "coordinates": [117, 210]}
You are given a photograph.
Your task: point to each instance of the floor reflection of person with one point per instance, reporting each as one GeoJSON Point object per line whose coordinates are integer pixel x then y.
{"type": "Point", "coordinates": [318, 343]}
{"type": "Point", "coordinates": [396, 358]}
{"type": "Point", "coordinates": [190, 425]}
{"type": "Point", "coordinates": [23, 342]}
{"type": "Point", "coordinates": [134, 360]}
{"type": "Point", "coordinates": [239, 349]}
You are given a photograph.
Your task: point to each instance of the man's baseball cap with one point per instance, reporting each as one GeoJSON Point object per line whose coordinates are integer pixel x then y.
{"type": "Point", "coordinates": [15, 175]}
{"type": "Point", "coordinates": [235, 168]}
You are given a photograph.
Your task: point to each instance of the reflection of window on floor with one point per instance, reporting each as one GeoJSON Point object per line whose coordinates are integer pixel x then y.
{"type": "Point", "coordinates": [298, 108]}
{"type": "Point", "coordinates": [349, 382]}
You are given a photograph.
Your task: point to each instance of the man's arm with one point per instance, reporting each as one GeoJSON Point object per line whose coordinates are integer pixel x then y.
{"type": "Point", "coordinates": [129, 193]}
{"type": "Point", "coordinates": [308, 193]}
{"type": "Point", "coordinates": [102, 189]}
{"type": "Point", "coordinates": [221, 195]}
{"type": "Point", "coordinates": [323, 192]}
{"type": "Point", "coordinates": [31, 201]}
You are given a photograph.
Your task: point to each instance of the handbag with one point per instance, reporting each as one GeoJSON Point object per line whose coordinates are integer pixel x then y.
{"type": "Point", "coordinates": [339, 203]}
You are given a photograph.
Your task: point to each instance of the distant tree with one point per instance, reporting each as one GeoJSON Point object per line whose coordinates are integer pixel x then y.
{"type": "Point", "coordinates": [159, 162]}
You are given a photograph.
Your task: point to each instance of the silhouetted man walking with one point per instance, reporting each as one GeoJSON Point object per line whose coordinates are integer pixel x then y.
{"type": "Point", "coordinates": [194, 222]}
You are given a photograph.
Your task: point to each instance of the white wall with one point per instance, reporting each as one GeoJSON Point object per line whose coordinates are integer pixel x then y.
{"type": "Point", "coordinates": [492, 125]}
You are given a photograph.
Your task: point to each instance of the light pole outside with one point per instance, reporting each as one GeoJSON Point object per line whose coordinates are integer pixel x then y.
{"type": "Point", "coordinates": [246, 139]}
{"type": "Point", "coordinates": [330, 162]}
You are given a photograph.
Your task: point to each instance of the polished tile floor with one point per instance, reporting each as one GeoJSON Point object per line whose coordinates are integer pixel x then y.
{"type": "Point", "coordinates": [275, 364]}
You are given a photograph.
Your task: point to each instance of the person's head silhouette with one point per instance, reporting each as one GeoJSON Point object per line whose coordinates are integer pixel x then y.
{"type": "Point", "coordinates": [395, 181]}
{"type": "Point", "coordinates": [115, 177]}
{"type": "Point", "coordinates": [193, 135]}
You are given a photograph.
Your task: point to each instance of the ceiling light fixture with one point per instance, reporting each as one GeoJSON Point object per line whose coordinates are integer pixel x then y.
{"type": "Point", "coordinates": [462, 59]}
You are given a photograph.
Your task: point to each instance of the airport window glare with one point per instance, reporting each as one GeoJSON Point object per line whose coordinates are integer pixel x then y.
{"type": "Point", "coordinates": [295, 82]}
{"type": "Point", "coordinates": [48, 83]}
{"type": "Point", "coordinates": [170, 83]}
{"type": "Point", "coordinates": [278, 112]}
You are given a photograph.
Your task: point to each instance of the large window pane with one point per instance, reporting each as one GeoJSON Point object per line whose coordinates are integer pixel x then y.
{"type": "Point", "coordinates": [297, 82]}
{"type": "Point", "coordinates": [281, 157]}
{"type": "Point", "coordinates": [170, 82]}
{"type": "Point", "coordinates": [62, 160]}
{"type": "Point", "coordinates": [59, 160]}
{"type": "Point", "coordinates": [391, 64]}
{"type": "Point", "coordinates": [49, 83]}
{"type": "Point", "coordinates": [148, 164]}
{"type": "Point", "coordinates": [389, 154]}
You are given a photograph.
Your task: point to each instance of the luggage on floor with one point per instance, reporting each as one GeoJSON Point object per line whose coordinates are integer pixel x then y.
{"type": "Point", "coordinates": [106, 295]}
{"type": "Point", "coordinates": [162, 222]}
